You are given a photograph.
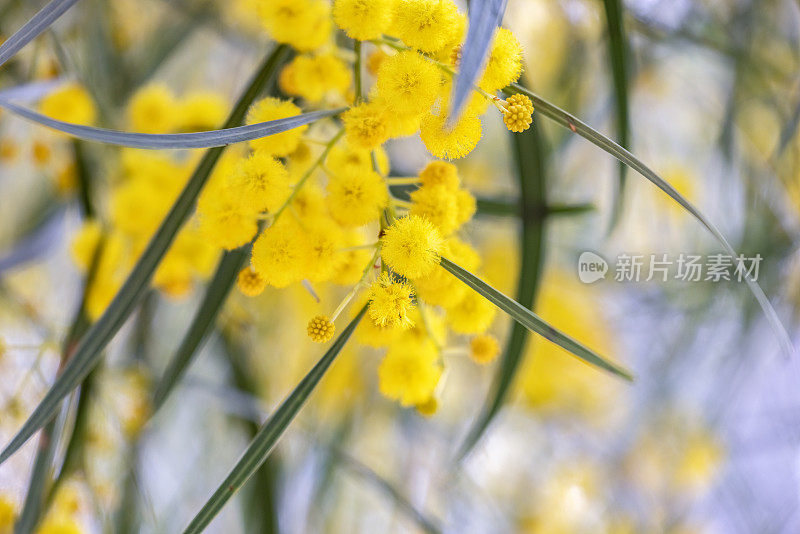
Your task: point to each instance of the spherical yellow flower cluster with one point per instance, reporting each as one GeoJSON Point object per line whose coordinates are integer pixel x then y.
{"type": "Point", "coordinates": [318, 204]}
{"type": "Point", "coordinates": [321, 329]}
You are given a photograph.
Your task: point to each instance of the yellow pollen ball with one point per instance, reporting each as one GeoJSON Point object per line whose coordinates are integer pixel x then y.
{"type": "Point", "coordinates": [366, 125]}
{"type": "Point", "coordinates": [363, 19]}
{"type": "Point", "coordinates": [356, 197]}
{"type": "Point", "coordinates": [278, 255]}
{"type": "Point", "coordinates": [483, 349]}
{"type": "Point", "coordinates": [408, 83]}
{"type": "Point", "coordinates": [518, 114]}
{"type": "Point", "coordinates": [304, 24]}
{"type": "Point", "coordinates": [390, 303]}
{"type": "Point", "coordinates": [250, 283]}
{"type": "Point", "coordinates": [440, 173]}
{"type": "Point", "coordinates": [411, 246]}
{"type": "Point", "coordinates": [504, 65]}
{"type": "Point", "coordinates": [437, 204]}
{"type": "Point", "coordinates": [320, 329]}
{"type": "Point", "coordinates": [453, 144]}
{"type": "Point", "coordinates": [427, 25]}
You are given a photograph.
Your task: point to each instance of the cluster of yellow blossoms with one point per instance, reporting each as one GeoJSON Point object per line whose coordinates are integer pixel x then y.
{"type": "Point", "coordinates": [318, 203]}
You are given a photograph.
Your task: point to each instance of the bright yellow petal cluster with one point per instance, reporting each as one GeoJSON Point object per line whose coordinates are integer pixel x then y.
{"type": "Point", "coordinates": [427, 25]}
{"type": "Point", "coordinates": [437, 204]}
{"type": "Point", "coordinates": [454, 143]}
{"type": "Point", "coordinates": [410, 372]}
{"type": "Point", "coordinates": [390, 303]}
{"type": "Point", "coordinates": [408, 83]}
{"type": "Point", "coordinates": [411, 246]}
{"type": "Point", "coordinates": [304, 24]}
{"type": "Point", "coordinates": [440, 173]}
{"type": "Point", "coordinates": [70, 103]}
{"type": "Point", "coordinates": [270, 109]}
{"type": "Point", "coordinates": [504, 65]}
{"type": "Point", "coordinates": [366, 125]}
{"type": "Point", "coordinates": [320, 329]}
{"type": "Point", "coordinates": [278, 255]}
{"type": "Point", "coordinates": [363, 19]}
{"type": "Point", "coordinates": [261, 182]}
{"type": "Point", "coordinates": [518, 114]}
{"type": "Point", "coordinates": [356, 197]}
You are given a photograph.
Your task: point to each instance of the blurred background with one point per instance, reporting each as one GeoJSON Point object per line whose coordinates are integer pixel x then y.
{"type": "Point", "coordinates": [705, 440]}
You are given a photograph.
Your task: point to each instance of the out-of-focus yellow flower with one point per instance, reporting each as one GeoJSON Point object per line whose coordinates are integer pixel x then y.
{"type": "Point", "coordinates": [410, 372]}
{"type": "Point", "coordinates": [70, 103]}
{"type": "Point", "coordinates": [304, 24]}
{"type": "Point", "coordinates": [153, 109]}
{"type": "Point", "coordinates": [200, 111]}
{"type": "Point", "coordinates": [363, 19]}
{"type": "Point", "coordinates": [8, 514]}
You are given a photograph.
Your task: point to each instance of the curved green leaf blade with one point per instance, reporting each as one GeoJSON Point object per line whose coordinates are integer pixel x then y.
{"type": "Point", "coordinates": [31, 29]}
{"type": "Point", "coordinates": [484, 18]}
{"type": "Point", "coordinates": [529, 153]}
{"type": "Point", "coordinates": [208, 139]}
{"type": "Point", "coordinates": [202, 322]}
{"type": "Point", "coordinates": [270, 432]}
{"type": "Point", "coordinates": [618, 55]}
{"type": "Point", "coordinates": [563, 118]}
{"type": "Point", "coordinates": [88, 352]}
{"type": "Point", "coordinates": [533, 322]}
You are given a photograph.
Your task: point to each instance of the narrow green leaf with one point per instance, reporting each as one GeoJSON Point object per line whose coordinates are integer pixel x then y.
{"type": "Point", "coordinates": [563, 118]}
{"type": "Point", "coordinates": [530, 156]}
{"type": "Point", "coordinates": [533, 322]}
{"type": "Point", "coordinates": [270, 432]}
{"type": "Point", "coordinates": [202, 322]}
{"type": "Point", "coordinates": [35, 26]}
{"type": "Point", "coordinates": [618, 55]}
{"type": "Point", "coordinates": [88, 352]}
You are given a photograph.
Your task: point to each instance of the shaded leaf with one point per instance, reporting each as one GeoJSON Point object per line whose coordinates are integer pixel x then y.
{"type": "Point", "coordinates": [88, 352]}
{"type": "Point", "coordinates": [618, 55]}
{"type": "Point", "coordinates": [533, 322]}
{"type": "Point", "coordinates": [208, 139]}
{"type": "Point", "coordinates": [270, 432]}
